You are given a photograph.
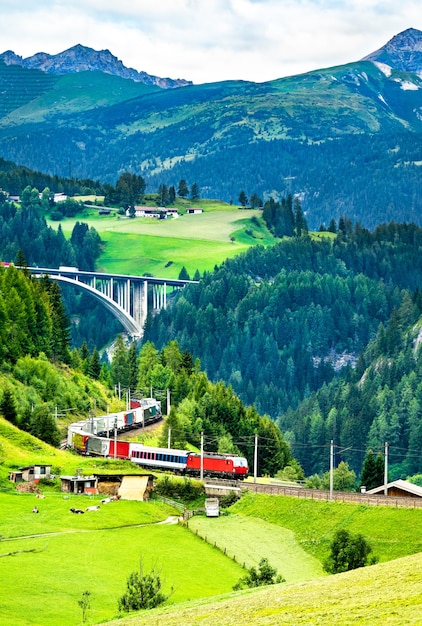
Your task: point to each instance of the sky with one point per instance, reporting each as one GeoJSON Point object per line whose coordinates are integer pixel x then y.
{"type": "Point", "coordinates": [210, 40]}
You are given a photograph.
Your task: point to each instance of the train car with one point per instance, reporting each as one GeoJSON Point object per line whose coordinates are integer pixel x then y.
{"type": "Point", "coordinates": [121, 447]}
{"type": "Point", "coordinates": [100, 425]}
{"type": "Point", "coordinates": [128, 419]}
{"type": "Point", "coordinates": [217, 465]}
{"type": "Point", "coordinates": [78, 441]}
{"type": "Point", "coordinates": [160, 458]}
{"type": "Point", "coordinates": [98, 446]}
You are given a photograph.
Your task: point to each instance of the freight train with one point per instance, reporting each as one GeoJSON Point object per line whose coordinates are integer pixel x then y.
{"type": "Point", "coordinates": [98, 436]}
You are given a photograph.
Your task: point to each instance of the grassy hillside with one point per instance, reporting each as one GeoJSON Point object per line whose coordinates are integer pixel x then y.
{"type": "Point", "coordinates": [163, 247]}
{"type": "Point", "coordinates": [232, 534]}
{"type": "Point", "coordinates": [385, 593]}
{"type": "Point", "coordinates": [38, 96]}
{"type": "Point", "coordinates": [392, 533]}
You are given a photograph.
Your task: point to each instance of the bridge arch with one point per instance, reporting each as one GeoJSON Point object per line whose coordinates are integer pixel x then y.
{"type": "Point", "coordinates": [124, 318]}
{"type": "Point", "coordinates": [126, 297]}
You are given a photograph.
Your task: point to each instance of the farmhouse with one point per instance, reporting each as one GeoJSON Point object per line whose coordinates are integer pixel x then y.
{"type": "Point", "coordinates": [31, 473]}
{"type": "Point", "coordinates": [194, 210]}
{"type": "Point", "coordinates": [154, 212]}
{"type": "Point", "coordinates": [398, 489]}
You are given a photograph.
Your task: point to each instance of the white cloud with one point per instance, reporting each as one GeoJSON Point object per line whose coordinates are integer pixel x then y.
{"type": "Point", "coordinates": [210, 40]}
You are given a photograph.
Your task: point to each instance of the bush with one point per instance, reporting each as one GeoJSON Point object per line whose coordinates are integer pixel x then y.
{"type": "Point", "coordinates": [179, 488]}
{"type": "Point", "coordinates": [229, 499]}
{"type": "Point", "coordinates": [348, 552]}
{"type": "Point", "coordinates": [264, 575]}
{"type": "Point", "coordinates": [144, 591]}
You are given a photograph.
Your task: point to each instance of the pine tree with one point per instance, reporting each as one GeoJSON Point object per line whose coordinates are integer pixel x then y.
{"type": "Point", "coordinates": [182, 190]}
{"type": "Point", "coordinates": [119, 364]}
{"type": "Point", "coordinates": [133, 366]}
{"type": "Point", "coordinates": [94, 369]}
{"type": "Point", "coordinates": [61, 326]}
{"type": "Point", "coordinates": [8, 406]}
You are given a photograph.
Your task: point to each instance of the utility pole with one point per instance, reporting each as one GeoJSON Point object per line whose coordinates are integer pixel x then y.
{"type": "Point", "coordinates": [202, 457]}
{"type": "Point", "coordinates": [115, 437]}
{"type": "Point", "coordinates": [169, 437]}
{"type": "Point", "coordinates": [255, 459]}
{"type": "Point", "coordinates": [386, 469]}
{"type": "Point", "coordinates": [331, 468]}
{"type": "Point", "coordinates": [168, 401]}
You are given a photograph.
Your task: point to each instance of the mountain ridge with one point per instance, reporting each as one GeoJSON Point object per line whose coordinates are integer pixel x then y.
{"type": "Point", "coordinates": [81, 58]}
{"type": "Point", "coordinates": [345, 139]}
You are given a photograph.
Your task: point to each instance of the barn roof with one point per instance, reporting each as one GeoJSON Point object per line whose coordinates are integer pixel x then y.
{"type": "Point", "coordinates": [403, 485]}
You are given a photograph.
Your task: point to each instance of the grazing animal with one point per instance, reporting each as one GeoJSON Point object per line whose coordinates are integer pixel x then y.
{"type": "Point", "coordinates": [35, 509]}
{"type": "Point", "coordinates": [92, 508]}
{"type": "Point", "coordinates": [39, 495]}
{"type": "Point", "coordinates": [72, 510]}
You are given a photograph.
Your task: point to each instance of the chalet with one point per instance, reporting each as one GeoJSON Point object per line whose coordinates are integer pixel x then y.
{"type": "Point", "coordinates": [31, 473]}
{"type": "Point", "coordinates": [194, 210]}
{"type": "Point", "coordinates": [398, 489]}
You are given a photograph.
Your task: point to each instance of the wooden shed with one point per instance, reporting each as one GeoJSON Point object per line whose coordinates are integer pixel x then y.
{"type": "Point", "coordinates": [30, 473]}
{"type": "Point", "coordinates": [79, 484]}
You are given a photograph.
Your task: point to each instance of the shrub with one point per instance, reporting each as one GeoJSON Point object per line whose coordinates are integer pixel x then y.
{"type": "Point", "coordinates": [144, 591]}
{"type": "Point", "coordinates": [179, 488]}
{"type": "Point", "coordinates": [229, 499]}
{"type": "Point", "coordinates": [348, 552]}
{"type": "Point", "coordinates": [264, 575]}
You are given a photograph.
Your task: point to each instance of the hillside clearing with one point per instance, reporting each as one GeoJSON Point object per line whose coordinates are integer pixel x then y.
{"type": "Point", "coordinates": [162, 247]}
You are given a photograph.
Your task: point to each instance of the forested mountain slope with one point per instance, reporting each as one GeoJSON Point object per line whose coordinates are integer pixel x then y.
{"type": "Point", "coordinates": [346, 139]}
{"type": "Point", "coordinates": [277, 323]}
{"type": "Point", "coordinates": [378, 402]}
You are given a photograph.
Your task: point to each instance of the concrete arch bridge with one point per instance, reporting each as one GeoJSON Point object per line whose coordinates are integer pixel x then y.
{"type": "Point", "coordinates": [127, 297]}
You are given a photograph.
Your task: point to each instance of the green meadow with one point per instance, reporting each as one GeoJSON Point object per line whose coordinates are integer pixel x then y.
{"type": "Point", "coordinates": [47, 560]}
{"type": "Point", "coordinates": [163, 247]}
{"type": "Point", "coordinates": [249, 539]}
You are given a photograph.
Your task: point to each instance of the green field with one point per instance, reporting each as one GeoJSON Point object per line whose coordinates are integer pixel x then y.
{"type": "Point", "coordinates": [162, 247]}
{"type": "Point", "coordinates": [250, 539]}
{"type": "Point", "coordinates": [48, 560]}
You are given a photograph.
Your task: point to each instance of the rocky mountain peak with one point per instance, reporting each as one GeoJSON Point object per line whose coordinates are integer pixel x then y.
{"type": "Point", "coordinates": [82, 59]}
{"type": "Point", "coordinates": [403, 52]}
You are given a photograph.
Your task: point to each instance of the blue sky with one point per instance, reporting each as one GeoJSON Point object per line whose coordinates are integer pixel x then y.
{"type": "Point", "coordinates": [210, 40]}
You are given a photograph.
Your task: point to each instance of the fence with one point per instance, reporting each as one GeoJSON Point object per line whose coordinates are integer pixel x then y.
{"type": "Point", "coordinates": [338, 496]}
